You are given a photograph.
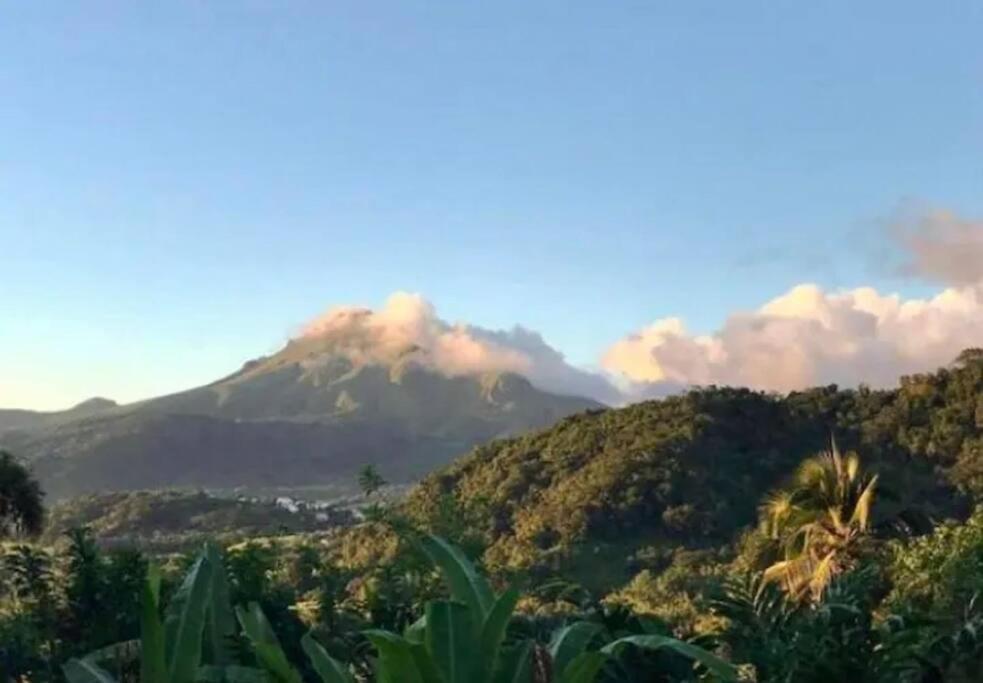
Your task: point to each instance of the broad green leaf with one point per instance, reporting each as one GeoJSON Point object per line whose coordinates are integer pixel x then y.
{"type": "Point", "coordinates": [185, 623]}
{"type": "Point", "coordinates": [465, 583]}
{"type": "Point", "coordinates": [493, 631]}
{"type": "Point", "coordinates": [245, 674]}
{"type": "Point", "coordinates": [571, 641]}
{"type": "Point", "coordinates": [265, 645]}
{"type": "Point", "coordinates": [329, 669]}
{"type": "Point", "coordinates": [210, 674]}
{"type": "Point", "coordinates": [429, 671]}
{"type": "Point", "coordinates": [718, 667]}
{"type": "Point", "coordinates": [81, 671]}
{"type": "Point", "coordinates": [153, 663]}
{"type": "Point", "coordinates": [516, 665]}
{"type": "Point", "coordinates": [450, 642]}
{"type": "Point", "coordinates": [221, 625]}
{"type": "Point", "coordinates": [272, 658]}
{"type": "Point", "coordinates": [397, 662]}
{"type": "Point", "coordinates": [583, 668]}
{"type": "Point", "coordinates": [651, 626]}
{"type": "Point", "coordinates": [258, 624]}
{"type": "Point", "coordinates": [231, 674]}
{"type": "Point", "coordinates": [126, 651]}
{"type": "Point", "coordinates": [416, 631]}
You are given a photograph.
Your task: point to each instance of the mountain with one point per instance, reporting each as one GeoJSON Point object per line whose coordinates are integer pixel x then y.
{"type": "Point", "coordinates": [618, 490]}
{"type": "Point", "coordinates": [29, 419]}
{"type": "Point", "coordinates": [308, 416]}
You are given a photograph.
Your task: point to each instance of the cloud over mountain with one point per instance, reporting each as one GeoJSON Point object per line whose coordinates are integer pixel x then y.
{"type": "Point", "coordinates": [409, 324]}
{"type": "Point", "coordinates": [805, 336]}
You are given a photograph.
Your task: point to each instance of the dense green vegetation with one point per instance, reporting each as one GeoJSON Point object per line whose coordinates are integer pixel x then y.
{"type": "Point", "coordinates": [690, 471]}
{"type": "Point", "coordinates": [164, 521]}
{"type": "Point", "coordinates": [908, 615]}
{"type": "Point", "coordinates": [80, 632]}
{"type": "Point", "coordinates": [21, 508]}
{"type": "Point", "coordinates": [719, 532]}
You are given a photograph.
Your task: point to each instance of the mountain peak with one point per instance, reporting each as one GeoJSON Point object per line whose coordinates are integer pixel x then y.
{"type": "Point", "coordinates": [93, 404]}
{"type": "Point", "coordinates": [311, 413]}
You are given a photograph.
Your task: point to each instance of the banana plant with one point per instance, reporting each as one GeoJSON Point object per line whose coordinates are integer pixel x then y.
{"type": "Point", "coordinates": [456, 641]}
{"type": "Point", "coordinates": [462, 640]}
{"type": "Point", "coordinates": [459, 640]}
{"type": "Point", "coordinates": [192, 644]}
{"type": "Point", "coordinates": [198, 625]}
{"type": "Point", "coordinates": [271, 657]}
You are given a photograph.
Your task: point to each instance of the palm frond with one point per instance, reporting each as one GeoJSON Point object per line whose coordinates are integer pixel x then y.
{"type": "Point", "coordinates": [852, 466]}
{"type": "Point", "coordinates": [864, 504]}
{"type": "Point", "coordinates": [818, 521]}
{"type": "Point", "coordinates": [822, 574]}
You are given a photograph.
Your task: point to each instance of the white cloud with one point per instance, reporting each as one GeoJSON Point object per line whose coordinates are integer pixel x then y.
{"type": "Point", "coordinates": [808, 336]}
{"type": "Point", "coordinates": [804, 337]}
{"type": "Point", "coordinates": [408, 323]}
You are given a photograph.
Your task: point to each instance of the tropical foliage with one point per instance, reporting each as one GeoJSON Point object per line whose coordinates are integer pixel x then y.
{"type": "Point", "coordinates": [369, 480]}
{"type": "Point", "coordinates": [699, 537]}
{"type": "Point", "coordinates": [819, 523]}
{"type": "Point", "coordinates": [463, 639]}
{"type": "Point", "coordinates": [21, 504]}
{"type": "Point", "coordinates": [169, 521]}
{"type": "Point", "coordinates": [690, 471]}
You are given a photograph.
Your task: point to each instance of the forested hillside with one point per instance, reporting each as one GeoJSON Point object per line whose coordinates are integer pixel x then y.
{"type": "Point", "coordinates": [691, 470]}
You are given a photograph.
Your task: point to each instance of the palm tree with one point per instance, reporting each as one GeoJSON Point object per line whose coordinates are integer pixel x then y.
{"type": "Point", "coordinates": [28, 574]}
{"type": "Point", "coordinates": [370, 480]}
{"type": "Point", "coordinates": [21, 506]}
{"type": "Point", "coordinates": [819, 523]}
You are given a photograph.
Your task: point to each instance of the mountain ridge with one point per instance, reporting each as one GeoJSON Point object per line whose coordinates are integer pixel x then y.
{"type": "Point", "coordinates": [310, 414]}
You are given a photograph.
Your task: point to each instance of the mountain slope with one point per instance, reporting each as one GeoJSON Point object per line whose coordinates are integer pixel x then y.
{"type": "Point", "coordinates": [307, 416]}
{"type": "Point", "coordinates": [30, 419]}
{"type": "Point", "coordinates": [689, 471]}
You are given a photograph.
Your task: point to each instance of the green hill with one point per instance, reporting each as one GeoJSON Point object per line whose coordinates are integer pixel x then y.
{"type": "Point", "coordinates": [599, 492]}
{"type": "Point", "coordinates": [169, 520]}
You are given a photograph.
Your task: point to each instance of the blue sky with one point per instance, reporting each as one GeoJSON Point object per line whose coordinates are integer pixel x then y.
{"type": "Point", "coordinates": [183, 184]}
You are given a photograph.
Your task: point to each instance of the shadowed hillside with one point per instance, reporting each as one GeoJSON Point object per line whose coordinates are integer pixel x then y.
{"type": "Point", "coordinates": [306, 416]}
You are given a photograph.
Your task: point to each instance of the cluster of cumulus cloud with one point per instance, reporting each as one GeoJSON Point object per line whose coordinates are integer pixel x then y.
{"type": "Point", "coordinates": [804, 337]}
{"type": "Point", "coordinates": [409, 324]}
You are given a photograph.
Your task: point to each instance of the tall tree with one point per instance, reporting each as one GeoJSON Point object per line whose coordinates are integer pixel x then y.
{"type": "Point", "coordinates": [819, 522]}
{"type": "Point", "coordinates": [969, 357]}
{"type": "Point", "coordinates": [87, 592]}
{"type": "Point", "coordinates": [370, 480]}
{"type": "Point", "coordinates": [21, 500]}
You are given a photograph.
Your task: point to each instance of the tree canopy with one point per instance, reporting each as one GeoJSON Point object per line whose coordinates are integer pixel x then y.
{"type": "Point", "coordinates": [21, 500]}
{"type": "Point", "coordinates": [690, 470]}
